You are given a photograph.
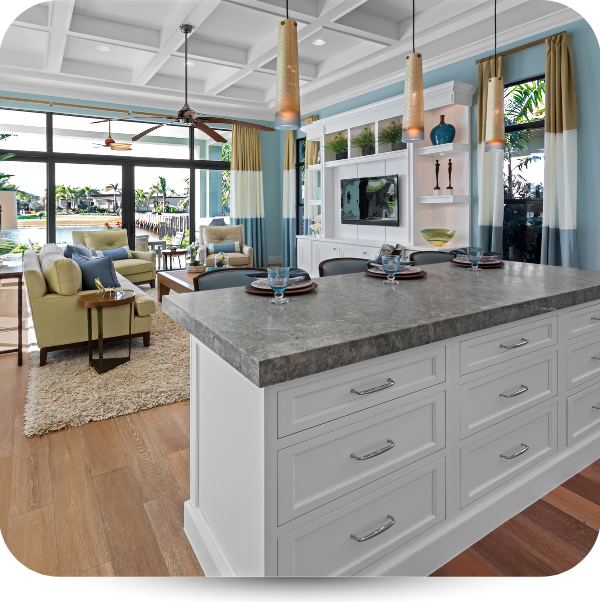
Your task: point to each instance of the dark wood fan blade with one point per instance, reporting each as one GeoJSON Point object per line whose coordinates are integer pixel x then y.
{"type": "Point", "coordinates": [226, 121]}
{"type": "Point", "coordinates": [136, 138]}
{"type": "Point", "coordinates": [204, 128]}
{"type": "Point", "coordinates": [136, 118]}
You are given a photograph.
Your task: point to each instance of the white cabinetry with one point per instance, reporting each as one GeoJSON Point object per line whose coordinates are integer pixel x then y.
{"type": "Point", "coordinates": [304, 254]}
{"type": "Point", "coordinates": [312, 251]}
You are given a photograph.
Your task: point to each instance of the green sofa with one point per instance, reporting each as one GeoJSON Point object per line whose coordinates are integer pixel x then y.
{"type": "Point", "coordinates": [140, 269]}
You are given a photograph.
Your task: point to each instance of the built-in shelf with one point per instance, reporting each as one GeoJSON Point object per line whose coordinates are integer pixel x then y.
{"type": "Point", "coordinates": [445, 149]}
{"type": "Point", "coordinates": [369, 158]}
{"type": "Point", "coordinates": [445, 198]}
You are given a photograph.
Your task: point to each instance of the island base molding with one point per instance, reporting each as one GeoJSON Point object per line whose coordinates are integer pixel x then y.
{"type": "Point", "coordinates": [394, 465]}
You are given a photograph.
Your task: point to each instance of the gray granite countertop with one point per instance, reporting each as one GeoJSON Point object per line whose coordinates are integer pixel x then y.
{"type": "Point", "coordinates": [353, 318]}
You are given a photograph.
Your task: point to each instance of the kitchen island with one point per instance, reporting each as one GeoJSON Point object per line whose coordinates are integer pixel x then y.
{"type": "Point", "coordinates": [368, 429]}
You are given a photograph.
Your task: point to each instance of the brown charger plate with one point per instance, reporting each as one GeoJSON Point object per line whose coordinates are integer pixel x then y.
{"type": "Point", "coordinates": [398, 276]}
{"type": "Point", "coordinates": [298, 291]}
{"type": "Point", "coordinates": [481, 265]}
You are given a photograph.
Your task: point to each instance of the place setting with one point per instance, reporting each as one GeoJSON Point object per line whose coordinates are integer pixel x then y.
{"type": "Point", "coordinates": [475, 260]}
{"type": "Point", "coordinates": [393, 269]}
{"type": "Point", "coordinates": [280, 280]}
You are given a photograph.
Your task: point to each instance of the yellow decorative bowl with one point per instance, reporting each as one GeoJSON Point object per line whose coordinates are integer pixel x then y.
{"type": "Point", "coordinates": [438, 237]}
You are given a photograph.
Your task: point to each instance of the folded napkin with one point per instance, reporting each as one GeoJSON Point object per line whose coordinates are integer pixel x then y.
{"type": "Point", "coordinates": [294, 273]}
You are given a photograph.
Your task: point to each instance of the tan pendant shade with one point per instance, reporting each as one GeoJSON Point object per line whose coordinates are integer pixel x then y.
{"type": "Point", "coordinates": [494, 127]}
{"type": "Point", "coordinates": [413, 126]}
{"type": "Point", "coordinates": [287, 94]}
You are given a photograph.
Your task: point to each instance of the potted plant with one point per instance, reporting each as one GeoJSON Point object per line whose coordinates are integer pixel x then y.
{"type": "Point", "coordinates": [365, 141]}
{"type": "Point", "coordinates": [392, 134]}
{"type": "Point", "coordinates": [339, 146]}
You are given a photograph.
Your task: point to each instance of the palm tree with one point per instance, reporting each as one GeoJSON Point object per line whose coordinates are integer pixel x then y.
{"type": "Point", "coordinates": [4, 177]}
{"type": "Point", "coordinates": [141, 197]}
{"type": "Point", "coordinates": [115, 189]}
{"type": "Point", "coordinates": [161, 189]}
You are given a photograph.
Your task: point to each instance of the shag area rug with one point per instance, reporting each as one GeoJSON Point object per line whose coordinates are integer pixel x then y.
{"type": "Point", "coordinates": [68, 392]}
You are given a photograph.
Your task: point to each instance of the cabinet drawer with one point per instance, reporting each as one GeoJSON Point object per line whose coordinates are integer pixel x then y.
{"type": "Point", "coordinates": [583, 362]}
{"type": "Point", "coordinates": [490, 349]}
{"type": "Point", "coordinates": [487, 401]}
{"type": "Point", "coordinates": [323, 400]}
{"type": "Point", "coordinates": [322, 469]}
{"type": "Point", "coordinates": [325, 547]}
{"type": "Point", "coordinates": [582, 321]}
{"type": "Point", "coordinates": [482, 467]}
{"type": "Point", "coordinates": [583, 414]}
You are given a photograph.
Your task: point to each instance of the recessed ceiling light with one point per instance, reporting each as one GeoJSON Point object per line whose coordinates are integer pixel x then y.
{"type": "Point", "coordinates": [190, 64]}
{"type": "Point", "coordinates": [103, 48]}
{"type": "Point", "coordinates": [319, 42]}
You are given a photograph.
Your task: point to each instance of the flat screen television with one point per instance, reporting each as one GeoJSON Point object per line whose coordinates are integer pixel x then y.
{"type": "Point", "coordinates": [371, 201]}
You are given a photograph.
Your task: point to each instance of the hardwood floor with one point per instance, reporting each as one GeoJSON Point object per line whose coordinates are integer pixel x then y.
{"type": "Point", "coordinates": [106, 499]}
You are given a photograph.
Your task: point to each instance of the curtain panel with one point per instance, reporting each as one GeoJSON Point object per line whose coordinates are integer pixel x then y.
{"type": "Point", "coordinates": [311, 180]}
{"type": "Point", "coordinates": [490, 168]}
{"type": "Point", "coordinates": [247, 196]}
{"type": "Point", "coordinates": [559, 226]}
{"type": "Point", "coordinates": [288, 257]}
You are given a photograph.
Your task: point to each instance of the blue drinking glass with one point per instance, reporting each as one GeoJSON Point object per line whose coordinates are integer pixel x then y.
{"type": "Point", "coordinates": [390, 264]}
{"type": "Point", "coordinates": [278, 280]}
{"type": "Point", "coordinates": [474, 254]}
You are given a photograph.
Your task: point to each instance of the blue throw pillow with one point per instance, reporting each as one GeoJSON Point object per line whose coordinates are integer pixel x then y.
{"type": "Point", "coordinates": [100, 267]}
{"type": "Point", "coordinates": [114, 254]}
{"type": "Point", "coordinates": [77, 248]}
{"type": "Point", "coordinates": [225, 247]}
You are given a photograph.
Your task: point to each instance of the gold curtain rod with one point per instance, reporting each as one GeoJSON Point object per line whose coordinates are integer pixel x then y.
{"type": "Point", "coordinates": [519, 48]}
{"type": "Point", "coordinates": [305, 118]}
{"type": "Point", "coordinates": [65, 104]}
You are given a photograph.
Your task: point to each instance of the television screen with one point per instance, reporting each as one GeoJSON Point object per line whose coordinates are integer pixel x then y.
{"type": "Point", "coordinates": [372, 201]}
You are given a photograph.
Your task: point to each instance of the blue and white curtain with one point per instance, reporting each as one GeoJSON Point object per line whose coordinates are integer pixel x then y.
{"type": "Point", "coordinates": [490, 167]}
{"type": "Point", "coordinates": [247, 197]}
{"type": "Point", "coordinates": [559, 227]}
{"type": "Point", "coordinates": [289, 202]}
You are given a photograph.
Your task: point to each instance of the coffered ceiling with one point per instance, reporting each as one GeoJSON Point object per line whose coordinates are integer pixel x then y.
{"type": "Point", "coordinates": [131, 51]}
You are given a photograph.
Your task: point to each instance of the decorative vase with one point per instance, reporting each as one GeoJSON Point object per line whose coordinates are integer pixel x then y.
{"type": "Point", "coordinates": [340, 156]}
{"type": "Point", "coordinates": [443, 133]}
{"type": "Point", "coordinates": [221, 260]}
{"type": "Point", "coordinates": [396, 146]}
{"type": "Point", "coordinates": [368, 151]}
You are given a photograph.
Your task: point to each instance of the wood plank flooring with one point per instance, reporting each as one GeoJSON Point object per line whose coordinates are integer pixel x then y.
{"type": "Point", "coordinates": [106, 499]}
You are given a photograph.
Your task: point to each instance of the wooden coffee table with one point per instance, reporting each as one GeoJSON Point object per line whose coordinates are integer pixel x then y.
{"type": "Point", "coordinates": [177, 280]}
{"type": "Point", "coordinates": [95, 300]}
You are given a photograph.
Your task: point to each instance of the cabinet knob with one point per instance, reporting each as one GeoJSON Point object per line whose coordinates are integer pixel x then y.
{"type": "Point", "coordinates": [334, 248]}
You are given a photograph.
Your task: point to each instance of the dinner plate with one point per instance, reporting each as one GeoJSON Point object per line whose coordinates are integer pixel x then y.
{"type": "Point", "coordinates": [263, 284]}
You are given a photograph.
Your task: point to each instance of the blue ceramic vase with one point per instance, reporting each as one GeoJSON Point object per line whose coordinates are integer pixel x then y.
{"type": "Point", "coordinates": [443, 133]}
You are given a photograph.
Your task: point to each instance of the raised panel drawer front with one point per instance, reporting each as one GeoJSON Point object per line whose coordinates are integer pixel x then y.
{"type": "Point", "coordinates": [484, 351]}
{"type": "Point", "coordinates": [582, 321]}
{"type": "Point", "coordinates": [366, 529]}
{"type": "Point", "coordinates": [489, 400]}
{"type": "Point", "coordinates": [583, 414]}
{"type": "Point", "coordinates": [583, 362]}
{"type": "Point", "coordinates": [500, 457]}
{"type": "Point", "coordinates": [322, 469]}
{"type": "Point", "coordinates": [323, 400]}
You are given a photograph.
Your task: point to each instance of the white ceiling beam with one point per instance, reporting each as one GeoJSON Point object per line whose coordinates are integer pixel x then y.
{"type": "Point", "coordinates": [171, 38]}
{"type": "Point", "coordinates": [216, 53]}
{"type": "Point", "coordinates": [364, 22]}
{"type": "Point", "coordinates": [136, 37]}
{"type": "Point", "coordinates": [60, 20]}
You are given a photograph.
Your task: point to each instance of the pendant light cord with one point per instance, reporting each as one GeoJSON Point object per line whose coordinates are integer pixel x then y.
{"type": "Point", "coordinates": [414, 27]}
{"type": "Point", "coordinates": [287, 9]}
{"type": "Point", "coordinates": [495, 38]}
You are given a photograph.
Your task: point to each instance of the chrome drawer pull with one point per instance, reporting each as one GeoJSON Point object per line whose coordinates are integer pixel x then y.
{"type": "Point", "coordinates": [522, 390]}
{"type": "Point", "coordinates": [377, 531]}
{"type": "Point", "coordinates": [523, 342]}
{"type": "Point", "coordinates": [519, 453]}
{"type": "Point", "coordinates": [596, 318]}
{"type": "Point", "coordinates": [595, 407]}
{"type": "Point", "coordinates": [387, 385]}
{"type": "Point", "coordinates": [595, 357]}
{"type": "Point", "coordinates": [377, 452]}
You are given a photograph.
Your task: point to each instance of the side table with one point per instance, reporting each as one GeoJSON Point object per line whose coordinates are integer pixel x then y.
{"type": "Point", "coordinates": [98, 301]}
{"type": "Point", "coordinates": [159, 246]}
{"type": "Point", "coordinates": [15, 272]}
{"type": "Point", "coordinates": [170, 253]}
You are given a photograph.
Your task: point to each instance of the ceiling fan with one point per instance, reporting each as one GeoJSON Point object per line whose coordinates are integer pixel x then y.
{"type": "Point", "coordinates": [110, 143]}
{"type": "Point", "coordinates": [186, 116]}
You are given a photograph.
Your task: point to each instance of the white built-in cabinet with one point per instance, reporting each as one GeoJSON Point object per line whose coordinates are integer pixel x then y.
{"type": "Point", "coordinates": [415, 167]}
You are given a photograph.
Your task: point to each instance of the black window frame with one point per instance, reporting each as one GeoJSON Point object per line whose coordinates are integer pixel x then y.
{"type": "Point", "coordinates": [127, 163]}
{"type": "Point", "coordinates": [299, 200]}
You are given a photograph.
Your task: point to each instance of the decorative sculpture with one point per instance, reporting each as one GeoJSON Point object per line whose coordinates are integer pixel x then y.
{"type": "Point", "coordinates": [101, 290]}
{"type": "Point", "coordinates": [449, 190]}
{"type": "Point", "coordinates": [437, 189]}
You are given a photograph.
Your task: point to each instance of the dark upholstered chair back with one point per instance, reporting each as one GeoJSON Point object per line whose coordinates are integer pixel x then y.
{"type": "Point", "coordinates": [428, 257]}
{"type": "Point", "coordinates": [225, 278]}
{"type": "Point", "coordinates": [345, 265]}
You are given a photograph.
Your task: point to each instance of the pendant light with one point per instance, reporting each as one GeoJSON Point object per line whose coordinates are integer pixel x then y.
{"type": "Point", "coordinates": [494, 122]}
{"type": "Point", "coordinates": [287, 93]}
{"type": "Point", "coordinates": [413, 126]}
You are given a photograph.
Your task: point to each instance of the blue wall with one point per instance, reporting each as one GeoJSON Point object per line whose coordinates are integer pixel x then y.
{"type": "Point", "coordinates": [521, 65]}
{"type": "Point", "coordinates": [270, 142]}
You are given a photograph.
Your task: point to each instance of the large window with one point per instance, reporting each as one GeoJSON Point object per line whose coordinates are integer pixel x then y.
{"type": "Point", "coordinates": [65, 177]}
{"type": "Point", "coordinates": [524, 107]}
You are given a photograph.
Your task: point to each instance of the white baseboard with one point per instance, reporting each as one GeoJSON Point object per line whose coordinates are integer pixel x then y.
{"type": "Point", "coordinates": [207, 550]}
{"type": "Point", "coordinates": [273, 259]}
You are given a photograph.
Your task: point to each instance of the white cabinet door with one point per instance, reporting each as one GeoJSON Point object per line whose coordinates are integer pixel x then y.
{"type": "Point", "coordinates": [322, 251]}
{"type": "Point", "coordinates": [304, 254]}
{"type": "Point", "coordinates": [353, 251]}
{"type": "Point", "coordinates": [370, 252]}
